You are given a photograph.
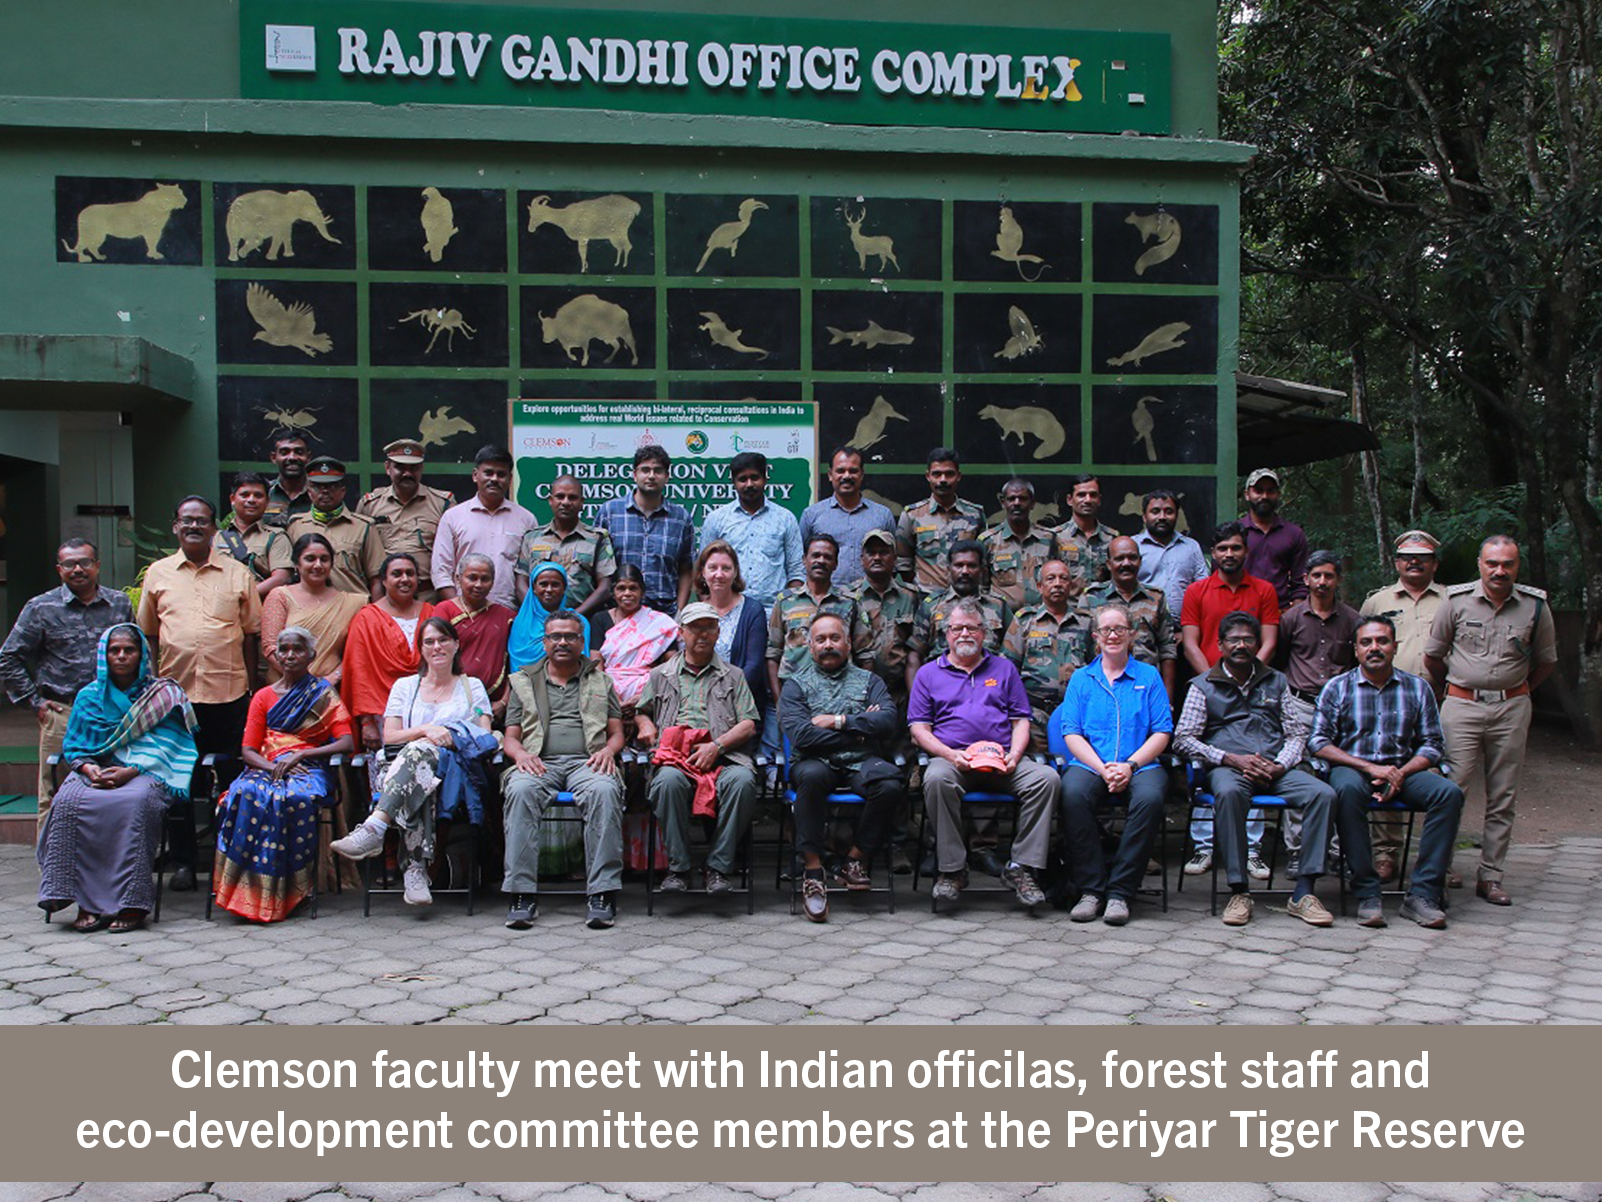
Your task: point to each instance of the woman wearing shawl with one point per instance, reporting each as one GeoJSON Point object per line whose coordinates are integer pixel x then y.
{"type": "Point", "coordinates": [547, 588]}
{"type": "Point", "coordinates": [314, 605]}
{"type": "Point", "coordinates": [382, 647]}
{"type": "Point", "coordinates": [634, 637]}
{"type": "Point", "coordinates": [130, 748]}
{"type": "Point", "coordinates": [267, 821]}
{"type": "Point", "coordinates": [484, 626]}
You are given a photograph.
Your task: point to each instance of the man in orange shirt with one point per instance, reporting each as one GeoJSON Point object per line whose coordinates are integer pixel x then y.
{"type": "Point", "coordinates": [199, 609]}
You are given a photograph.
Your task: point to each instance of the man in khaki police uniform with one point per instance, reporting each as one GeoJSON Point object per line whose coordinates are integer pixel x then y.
{"type": "Point", "coordinates": [1491, 645]}
{"type": "Point", "coordinates": [358, 549]}
{"type": "Point", "coordinates": [1410, 604]}
{"type": "Point", "coordinates": [406, 512]}
{"type": "Point", "coordinates": [246, 535]}
{"type": "Point", "coordinates": [585, 551]}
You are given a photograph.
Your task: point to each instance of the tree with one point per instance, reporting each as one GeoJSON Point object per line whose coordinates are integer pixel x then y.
{"type": "Point", "coordinates": [1429, 195]}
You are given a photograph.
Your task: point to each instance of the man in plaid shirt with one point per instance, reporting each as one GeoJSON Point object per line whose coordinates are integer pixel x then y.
{"type": "Point", "coordinates": [653, 533]}
{"type": "Point", "coordinates": [1381, 730]}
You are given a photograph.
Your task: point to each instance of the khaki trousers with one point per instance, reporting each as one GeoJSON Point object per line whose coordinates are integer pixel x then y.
{"type": "Point", "coordinates": [1489, 737]}
{"type": "Point", "coordinates": [51, 735]}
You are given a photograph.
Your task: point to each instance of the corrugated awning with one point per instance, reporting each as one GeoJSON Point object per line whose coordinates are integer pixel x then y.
{"type": "Point", "coordinates": [1281, 423]}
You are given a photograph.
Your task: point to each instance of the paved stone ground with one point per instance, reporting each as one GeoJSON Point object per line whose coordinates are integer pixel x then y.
{"type": "Point", "coordinates": [802, 1191]}
{"type": "Point", "coordinates": [1538, 961]}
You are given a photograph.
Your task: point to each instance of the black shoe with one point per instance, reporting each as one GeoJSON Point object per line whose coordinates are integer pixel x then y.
{"type": "Point", "coordinates": [602, 912]}
{"type": "Point", "coordinates": [985, 860]}
{"type": "Point", "coordinates": [928, 868]}
{"type": "Point", "coordinates": [717, 883]}
{"type": "Point", "coordinates": [182, 879]}
{"type": "Point", "coordinates": [900, 861]}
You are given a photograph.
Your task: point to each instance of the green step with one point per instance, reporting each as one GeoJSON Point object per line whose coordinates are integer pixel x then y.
{"type": "Point", "coordinates": [18, 803]}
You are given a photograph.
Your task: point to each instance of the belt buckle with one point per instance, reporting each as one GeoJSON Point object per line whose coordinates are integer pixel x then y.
{"type": "Point", "coordinates": [1490, 694]}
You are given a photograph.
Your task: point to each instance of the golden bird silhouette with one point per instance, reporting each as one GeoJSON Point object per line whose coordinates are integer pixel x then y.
{"type": "Point", "coordinates": [727, 236]}
{"type": "Point", "coordinates": [1144, 422]}
{"type": "Point", "coordinates": [437, 425]}
{"type": "Point", "coordinates": [286, 325]}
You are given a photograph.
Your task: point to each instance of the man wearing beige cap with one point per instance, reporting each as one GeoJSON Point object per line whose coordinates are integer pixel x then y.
{"type": "Point", "coordinates": [1491, 645]}
{"type": "Point", "coordinates": [1410, 604]}
{"type": "Point", "coordinates": [697, 691]}
{"type": "Point", "coordinates": [1276, 550]}
{"type": "Point", "coordinates": [406, 512]}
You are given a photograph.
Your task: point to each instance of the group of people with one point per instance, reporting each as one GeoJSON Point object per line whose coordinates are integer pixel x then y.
{"type": "Point", "coordinates": [1064, 667]}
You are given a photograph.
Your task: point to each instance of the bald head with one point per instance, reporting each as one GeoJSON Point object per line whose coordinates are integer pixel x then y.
{"type": "Point", "coordinates": [1123, 562]}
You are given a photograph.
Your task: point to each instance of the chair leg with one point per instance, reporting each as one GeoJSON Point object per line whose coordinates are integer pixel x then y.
{"type": "Point", "coordinates": [650, 863]}
{"type": "Point", "coordinates": [472, 864]}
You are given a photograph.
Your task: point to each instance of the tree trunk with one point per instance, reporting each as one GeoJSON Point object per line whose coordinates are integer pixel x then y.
{"type": "Point", "coordinates": [1370, 465]}
{"type": "Point", "coordinates": [1416, 398]}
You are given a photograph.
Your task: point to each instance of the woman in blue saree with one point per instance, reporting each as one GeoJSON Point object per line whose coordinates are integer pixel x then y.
{"type": "Point", "coordinates": [129, 751]}
{"type": "Point", "coordinates": [267, 821]}
{"type": "Point", "coordinates": [547, 585]}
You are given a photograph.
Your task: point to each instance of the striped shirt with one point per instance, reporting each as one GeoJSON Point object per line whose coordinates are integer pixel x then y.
{"type": "Point", "coordinates": [1383, 725]}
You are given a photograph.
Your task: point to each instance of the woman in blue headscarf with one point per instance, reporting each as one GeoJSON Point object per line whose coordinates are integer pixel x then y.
{"type": "Point", "coordinates": [129, 751]}
{"type": "Point", "coordinates": [547, 585]}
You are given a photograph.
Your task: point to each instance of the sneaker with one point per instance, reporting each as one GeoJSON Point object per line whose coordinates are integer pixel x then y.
{"type": "Point", "coordinates": [853, 874]}
{"type": "Point", "coordinates": [1199, 863]}
{"type": "Point", "coordinates": [361, 843]}
{"type": "Point", "coordinates": [417, 890]}
{"type": "Point", "coordinates": [1423, 911]}
{"type": "Point", "coordinates": [1255, 868]}
{"type": "Point", "coordinates": [1293, 866]}
{"type": "Point", "coordinates": [1116, 913]}
{"type": "Point", "coordinates": [815, 899]}
{"type": "Point", "coordinates": [1086, 908]}
{"type": "Point", "coordinates": [1021, 879]}
{"type": "Point", "coordinates": [1370, 913]}
{"type": "Point", "coordinates": [717, 883]}
{"type": "Point", "coordinates": [947, 888]}
{"type": "Point", "coordinates": [673, 882]}
{"type": "Point", "coordinates": [1311, 911]}
{"type": "Point", "coordinates": [1238, 910]}
{"type": "Point", "coordinates": [601, 912]}
{"type": "Point", "coordinates": [521, 913]}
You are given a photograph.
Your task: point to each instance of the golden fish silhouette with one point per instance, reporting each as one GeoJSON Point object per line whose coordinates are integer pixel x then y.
{"type": "Point", "coordinates": [874, 335]}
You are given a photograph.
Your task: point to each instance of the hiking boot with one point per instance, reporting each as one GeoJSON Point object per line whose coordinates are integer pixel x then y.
{"type": "Point", "coordinates": [947, 888]}
{"type": "Point", "coordinates": [853, 874]}
{"type": "Point", "coordinates": [361, 843]}
{"type": "Point", "coordinates": [815, 899]}
{"type": "Point", "coordinates": [1238, 910]}
{"type": "Point", "coordinates": [1255, 868]}
{"type": "Point", "coordinates": [1199, 863]}
{"type": "Point", "coordinates": [1423, 911]}
{"type": "Point", "coordinates": [1370, 912]}
{"type": "Point", "coordinates": [601, 912]}
{"type": "Point", "coordinates": [1116, 913]}
{"type": "Point", "coordinates": [1022, 881]}
{"type": "Point", "coordinates": [1086, 908]}
{"type": "Point", "coordinates": [717, 883]}
{"type": "Point", "coordinates": [673, 882]}
{"type": "Point", "coordinates": [521, 913]}
{"type": "Point", "coordinates": [1311, 911]}
{"type": "Point", "coordinates": [417, 892]}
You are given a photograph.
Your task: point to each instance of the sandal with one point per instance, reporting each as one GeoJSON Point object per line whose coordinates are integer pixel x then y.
{"type": "Point", "coordinates": [128, 920]}
{"type": "Point", "coordinates": [87, 922]}
{"type": "Point", "coordinates": [56, 905]}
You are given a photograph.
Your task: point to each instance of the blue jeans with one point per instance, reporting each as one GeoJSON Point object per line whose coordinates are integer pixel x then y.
{"type": "Point", "coordinates": [1437, 798]}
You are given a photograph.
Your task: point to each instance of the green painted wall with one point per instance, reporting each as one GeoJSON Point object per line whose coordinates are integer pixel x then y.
{"type": "Point", "coordinates": [148, 94]}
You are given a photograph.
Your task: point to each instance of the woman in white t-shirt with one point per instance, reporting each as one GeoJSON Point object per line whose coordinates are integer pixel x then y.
{"type": "Point", "coordinates": [417, 722]}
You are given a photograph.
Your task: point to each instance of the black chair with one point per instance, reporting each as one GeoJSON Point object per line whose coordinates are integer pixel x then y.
{"type": "Point", "coordinates": [836, 804]}
{"type": "Point", "coordinates": [1274, 810]}
{"type": "Point", "coordinates": [158, 862]}
{"type": "Point", "coordinates": [1117, 808]}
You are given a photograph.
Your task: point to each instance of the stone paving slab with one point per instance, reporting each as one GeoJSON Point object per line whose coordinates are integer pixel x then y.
{"type": "Point", "coordinates": [698, 961]}
{"type": "Point", "coordinates": [803, 1191]}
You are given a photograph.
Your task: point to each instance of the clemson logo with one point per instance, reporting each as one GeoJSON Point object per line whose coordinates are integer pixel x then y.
{"type": "Point", "coordinates": [991, 682]}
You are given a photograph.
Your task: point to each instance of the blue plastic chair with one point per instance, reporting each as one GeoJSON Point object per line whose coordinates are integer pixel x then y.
{"type": "Point", "coordinates": [839, 799]}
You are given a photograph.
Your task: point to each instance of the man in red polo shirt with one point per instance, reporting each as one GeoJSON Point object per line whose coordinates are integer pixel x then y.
{"type": "Point", "coordinates": [1207, 602]}
{"type": "Point", "coordinates": [1228, 589]}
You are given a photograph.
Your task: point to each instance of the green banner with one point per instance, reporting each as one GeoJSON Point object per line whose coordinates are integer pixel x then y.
{"type": "Point", "coordinates": [862, 73]}
{"type": "Point", "coordinates": [596, 440]}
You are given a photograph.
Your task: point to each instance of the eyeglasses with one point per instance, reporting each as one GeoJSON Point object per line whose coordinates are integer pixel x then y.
{"type": "Point", "coordinates": [963, 627]}
{"type": "Point", "coordinates": [72, 565]}
{"type": "Point", "coordinates": [194, 523]}
{"type": "Point", "coordinates": [438, 642]}
{"type": "Point", "coordinates": [1109, 631]}
{"type": "Point", "coordinates": [1237, 640]}
{"type": "Point", "coordinates": [563, 636]}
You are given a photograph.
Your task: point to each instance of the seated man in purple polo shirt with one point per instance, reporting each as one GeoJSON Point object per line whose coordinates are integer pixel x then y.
{"type": "Point", "coordinates": [959, 702]}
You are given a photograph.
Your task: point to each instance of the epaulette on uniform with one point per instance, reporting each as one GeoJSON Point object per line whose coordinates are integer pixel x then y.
{"type": "Point", "coordinates": [1457, 590]}
{"type": "Point", "coordinates": [1529, 590]}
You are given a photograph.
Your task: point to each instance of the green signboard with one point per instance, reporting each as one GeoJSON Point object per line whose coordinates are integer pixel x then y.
{"type": "Point", "coordinates": [596, 440]}
{"type": "Point", "coordinates": [863, 73]}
